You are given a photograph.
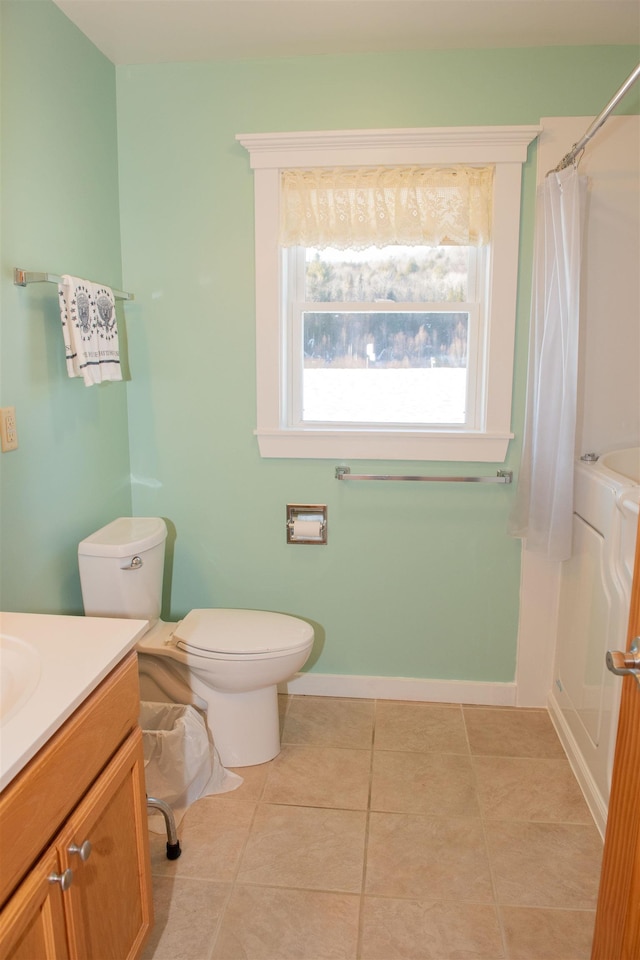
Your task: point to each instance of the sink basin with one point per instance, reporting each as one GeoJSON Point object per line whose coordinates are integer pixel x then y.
{"type": "Point", "coordinates": [49, 665]}
{"type": "Point", "coordinates": [19, 674]}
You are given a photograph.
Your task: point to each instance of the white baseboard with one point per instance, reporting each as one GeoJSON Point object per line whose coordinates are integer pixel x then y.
{"type": "Point", "coordinates": [401, 688]}
{"type": "Point", "coordinates": [592, 794]}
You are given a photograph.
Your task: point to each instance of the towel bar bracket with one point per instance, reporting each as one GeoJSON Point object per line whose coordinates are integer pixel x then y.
{"type": "Point", "coordinates": [22, 277]}
{"type": "Point", "coordinates": [502, 476]}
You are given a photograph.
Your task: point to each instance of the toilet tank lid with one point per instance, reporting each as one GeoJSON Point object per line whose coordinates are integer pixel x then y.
{"type": "Point", "coordinates": [124, 536]}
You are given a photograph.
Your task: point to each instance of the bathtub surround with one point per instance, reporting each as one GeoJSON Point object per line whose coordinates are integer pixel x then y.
{"type": "Point", "coordinates": [416, 582]}
{"type": "Point", "coordinates": [542, 514]}
{"type": "Point", "coordinates": [607, 419]}
{"type": "Point", "coordinates": [594, 602]}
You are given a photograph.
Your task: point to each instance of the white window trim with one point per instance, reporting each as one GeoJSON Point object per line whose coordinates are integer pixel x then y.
{"type": "Point", "coordinates": [506, 147]}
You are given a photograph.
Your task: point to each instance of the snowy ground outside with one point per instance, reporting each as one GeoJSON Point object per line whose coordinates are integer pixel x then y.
{"type": "Point", "coordinates": [426, 395]}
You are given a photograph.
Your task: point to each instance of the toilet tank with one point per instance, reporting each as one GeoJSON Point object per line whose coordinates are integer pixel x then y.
{"type": "Point", "coordinates": [121, 569]}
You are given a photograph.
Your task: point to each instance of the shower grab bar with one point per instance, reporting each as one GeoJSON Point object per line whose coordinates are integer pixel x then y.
{"type": "Point", "coordinates": [22, 277]}
{"type": "Point", "coordinates": [502, 476]}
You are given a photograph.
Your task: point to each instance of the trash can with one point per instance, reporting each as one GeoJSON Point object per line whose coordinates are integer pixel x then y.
{"type": "Point", "coordinates": [178, 756]}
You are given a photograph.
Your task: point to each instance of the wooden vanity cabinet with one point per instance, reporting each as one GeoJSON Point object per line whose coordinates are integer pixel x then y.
{"type": "Point", "coordinates": [33, 925]}
{"type": "Point", "coordinates": [106, 911]}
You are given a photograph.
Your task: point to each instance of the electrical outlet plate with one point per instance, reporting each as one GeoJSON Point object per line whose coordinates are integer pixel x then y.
{"type": "Point", "coordinates": [8, 429]}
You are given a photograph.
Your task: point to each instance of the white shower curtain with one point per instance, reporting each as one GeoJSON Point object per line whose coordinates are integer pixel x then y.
{"type": "Point", "coordinates": [542, 512]}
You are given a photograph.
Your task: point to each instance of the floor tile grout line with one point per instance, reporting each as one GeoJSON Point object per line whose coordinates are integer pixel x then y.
{"type": "Point", "coordinates": [218, 927]}
{"type": "Point", "coordinates": [360, 933]}
{"type": "Point", "coordinates": [234, 881]}
{"type": "Point", "coordinates": [494, 886]}
{"type": "Point", "coordinates": [406, 898]}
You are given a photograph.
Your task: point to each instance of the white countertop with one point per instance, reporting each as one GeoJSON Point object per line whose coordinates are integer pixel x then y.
{"type": "Point", "coordinates": [74, 654]}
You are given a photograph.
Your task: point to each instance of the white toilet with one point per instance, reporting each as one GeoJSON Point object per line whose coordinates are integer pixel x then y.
{"type": "Point", "coordinates": [227, 661]}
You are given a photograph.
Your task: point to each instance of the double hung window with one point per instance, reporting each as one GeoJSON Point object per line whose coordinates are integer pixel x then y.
{"type": "Point", "coordinates": [383, 336]}
{"type": "Point", "coordinates": [385, 304]}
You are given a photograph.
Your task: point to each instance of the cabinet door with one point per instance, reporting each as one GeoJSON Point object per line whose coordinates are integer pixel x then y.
{"type": "Point", "coordinates": [32, 924]}
{"type": "Point", "coordinates": [109, 905]}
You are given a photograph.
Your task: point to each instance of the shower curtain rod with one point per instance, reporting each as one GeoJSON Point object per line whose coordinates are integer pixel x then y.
{"type": "Point", "coordinates": [599, 120]}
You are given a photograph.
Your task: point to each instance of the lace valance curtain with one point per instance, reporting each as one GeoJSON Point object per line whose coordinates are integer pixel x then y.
{"type": "Point", "coordinates": [378, 206]}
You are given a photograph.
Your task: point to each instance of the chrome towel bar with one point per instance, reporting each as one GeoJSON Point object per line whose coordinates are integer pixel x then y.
{"type": "Point", "coordinates": [22, 277]}
{"type": "Point", "coordinates": [502, 476]}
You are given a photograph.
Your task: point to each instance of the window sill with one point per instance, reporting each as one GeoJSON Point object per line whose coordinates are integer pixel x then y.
{"type": "Point", "coordinates": [380, 445]}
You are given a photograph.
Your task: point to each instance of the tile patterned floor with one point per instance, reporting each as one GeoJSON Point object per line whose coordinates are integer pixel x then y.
{"type": "Point", "coordinates": [387, 831]}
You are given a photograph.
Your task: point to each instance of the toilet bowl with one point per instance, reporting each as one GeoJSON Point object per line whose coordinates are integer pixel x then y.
{"type": "Point", "coordinates": [227, 662]}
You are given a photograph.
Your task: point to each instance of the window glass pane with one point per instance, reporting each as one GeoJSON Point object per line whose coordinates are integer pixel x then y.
{"type": "Point", "coordinates": [379, 367]}
{"type": "Point", "coordinates": [401, 274]}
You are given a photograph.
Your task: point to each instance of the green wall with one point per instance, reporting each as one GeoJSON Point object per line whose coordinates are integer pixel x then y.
{"type": "Point", "coordinates": [416, 580]}
{"type": "Point", "coordinates": [59, 172]}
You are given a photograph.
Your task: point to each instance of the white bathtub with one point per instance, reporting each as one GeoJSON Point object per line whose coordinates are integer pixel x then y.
{"type": "Point", "coordinates": [593, 612]}
{"type": "Point", "coordinates": [623, 464]}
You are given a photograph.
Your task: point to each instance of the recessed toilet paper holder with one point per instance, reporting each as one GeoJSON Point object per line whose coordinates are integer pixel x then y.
{"type": "Point", "coordinates": [306, 523]}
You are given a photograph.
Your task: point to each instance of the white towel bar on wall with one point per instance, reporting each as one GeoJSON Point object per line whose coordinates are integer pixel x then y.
{"type": "Point", "coordinates": [502, 476]}
{"type": "Point", "coordinates": [22, 277]}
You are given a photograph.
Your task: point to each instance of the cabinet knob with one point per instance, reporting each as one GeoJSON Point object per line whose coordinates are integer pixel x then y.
{"type": "Point", "coordinates": [83, 851]}
{"type": "Point", "coordinates": [64, 879]}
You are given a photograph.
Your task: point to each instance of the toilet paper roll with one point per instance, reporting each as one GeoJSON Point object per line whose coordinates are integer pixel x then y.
{"type": "Point", "coordinates": [307, 529]}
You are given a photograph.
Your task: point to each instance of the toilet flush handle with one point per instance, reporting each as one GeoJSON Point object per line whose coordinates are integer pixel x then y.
{"type": "Point", "coordinates": [136, 563]}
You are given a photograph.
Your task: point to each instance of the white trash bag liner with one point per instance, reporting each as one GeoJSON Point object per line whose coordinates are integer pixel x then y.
{"type": "Point", "coordinates": [180, 762]}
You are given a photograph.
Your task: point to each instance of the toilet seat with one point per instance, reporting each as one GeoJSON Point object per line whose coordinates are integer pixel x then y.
{"type": "Point", "coordinates": [237, 633]}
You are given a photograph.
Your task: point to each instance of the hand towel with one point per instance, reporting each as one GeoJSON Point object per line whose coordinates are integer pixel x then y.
{"type": "Point", "coordinates": [90, 330]}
